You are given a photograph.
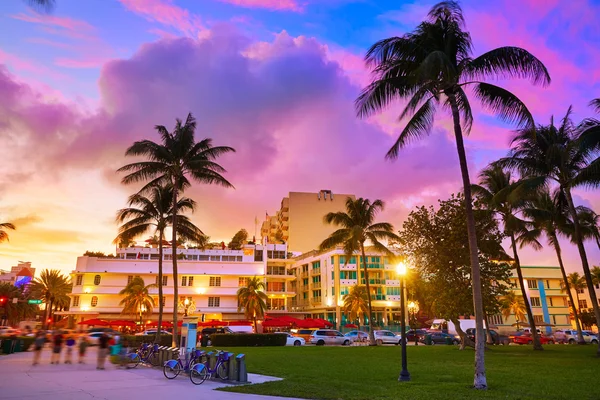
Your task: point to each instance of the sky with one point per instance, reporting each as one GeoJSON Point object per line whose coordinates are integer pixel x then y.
{"type": "Point", "coordinates": [275, 79]}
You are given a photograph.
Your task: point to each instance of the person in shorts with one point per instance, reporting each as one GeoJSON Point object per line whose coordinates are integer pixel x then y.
{"type": "Point", "coordinates": [38, 345]}
{"type": "Point", "coordinates": [70, 342]}
{"type": "Point", "coordinates": [103, 345]}
{"type": "Point", "coordinates": [83, 345]}
{"type": "Point", "coordinates": [57, 343]}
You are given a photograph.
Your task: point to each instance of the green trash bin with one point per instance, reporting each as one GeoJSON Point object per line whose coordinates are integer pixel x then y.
{"type": "Point", "coordinates": [7, 346]}
{"type": "Point", "coordinates": [18, 345]}
{"type": "Point", "coordinates": [448, 340]}
{"type": "Point", "coordinates": [428, 340]}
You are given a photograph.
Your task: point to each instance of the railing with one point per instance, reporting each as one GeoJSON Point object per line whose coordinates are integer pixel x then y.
{"type": "Point", "coordinates": [378, 297]}
{"type": "Point", "coordinates": [316, 300]}
{"type": "Point", "coordinates": [373, 281]}
{"type": "Point", "coordinates": [316, 285]}
{"type": "Point", "coordinates": [316, 271]}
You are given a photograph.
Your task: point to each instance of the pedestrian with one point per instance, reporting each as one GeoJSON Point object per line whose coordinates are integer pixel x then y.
{"type": "Point", "coordinates": [57, 343]}
{"type": "Point", "coordinates": [102, 350]}
{"type": "Point", "coordinates": [70, 343]}
{"type": "Point", "coordinates": [38, 345]}
{"type": "Point", "coordinates": [83, 345]}
{"type": "Point", "coordinates": [123, 351]}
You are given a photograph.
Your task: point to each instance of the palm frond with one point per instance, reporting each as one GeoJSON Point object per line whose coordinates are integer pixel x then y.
{"type": "Point", "coordinates": [419, 126]}
{"type": "Point", "coordinates": [506, 105]}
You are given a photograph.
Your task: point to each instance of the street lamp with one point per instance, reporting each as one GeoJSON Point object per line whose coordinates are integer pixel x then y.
{"type": "Point", "coordinates": [142, 310]}
{"type": "Point", "coordinates": [186, 303]}
{"type": "Point", "coordinates": [404, 374]}
{"type": "Point", "coordinates": [413, 308]}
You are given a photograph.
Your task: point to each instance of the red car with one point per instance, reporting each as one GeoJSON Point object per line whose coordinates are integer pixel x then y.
{"type": "Point", "coordinates": [527, 338]}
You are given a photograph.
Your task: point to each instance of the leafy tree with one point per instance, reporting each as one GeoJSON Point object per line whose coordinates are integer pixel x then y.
{"type": "Point", "coordinates": [567, 155]}
{"type": "Point", "coordinates": [155, 213]}
{"type": "Point", "coordinates": [3, 228]}
{"type": "Point", "coordinates": [238, 240]}
{"type": "Point", "coordinates": [356, 303]}
{"type": "Point", "coordinates": [252, 299]}
{"type": "Point", "coordinates": [430, 68]}
{"type": "Point", "coordinates": [172, 162]}
{"type": "Point", "coordinates": [435, 242]}
{"type": "Point", "coordinates": [574, 282]}
{"type": "Point", "coordinates": [137, 300]}
{"type": "Point", "coordinates": [590, 224]}
{"type": "Point", "coordinates": [97, 254]}
{"type": "Point", "coordinates": [588, 319]}
{"type": "Point", "coordinates": [19, 311]}
{"type": "Point", "coordinates": [512, 303]}
{"type": "Point", "coordinates": [501, 195]}
{"type": "Point", "coordinates": [52, 287]}
{"type": "Point", "coordinates": [356, 227]}
{"type": "Point", "coordinates": [595, 272]}
{"type": "Point", "coordinates": [46, 6]}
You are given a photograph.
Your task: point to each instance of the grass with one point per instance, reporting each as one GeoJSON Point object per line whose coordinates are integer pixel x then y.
{"type": "Point", "coordinates": [437, 372]}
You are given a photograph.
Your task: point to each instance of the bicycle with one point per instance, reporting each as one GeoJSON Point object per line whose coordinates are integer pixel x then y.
{"type": "Point", "coordinates": [172, 368]}
{"type": "Point", "coordinates": [146, 354]}
{"type": "Point", "coordinates": [200, 372]}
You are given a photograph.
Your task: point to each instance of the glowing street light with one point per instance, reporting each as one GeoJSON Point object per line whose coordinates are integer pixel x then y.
{"type": "Point", "coordinates": [404, 374]}
{"type": "Point", "coordinates": [186, 303]}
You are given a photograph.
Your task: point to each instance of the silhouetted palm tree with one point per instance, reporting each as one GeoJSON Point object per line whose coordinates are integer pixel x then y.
{"type": "Point", "coordinates": [574, 282]}
{"type": "Point", "coordinates": [171, 162]}
{"type": "Point", "coordinates": [252, 299]}
{"type": "Point", "coordinates": [3, 234]}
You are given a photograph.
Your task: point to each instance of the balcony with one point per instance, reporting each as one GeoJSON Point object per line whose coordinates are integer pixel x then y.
{"type": "Point", "coordinates": [316, 271]}
{"type": "Point", "coordinates": [304, 274]}
{"type": "Point", "coordinates": [316, 285]}
{"type": "Point", "coordinates": [373, 281]}
{"type": "Point", "coordinates": [347, 267]}
{"type": "Point", "coordinates": [348, 282]}
{"type": "Point", "coordinates": [317, 300]}
{"type": "Point", "coordinates": [378, 297]}
{"type": "Point", "coordinates": [392, 282]}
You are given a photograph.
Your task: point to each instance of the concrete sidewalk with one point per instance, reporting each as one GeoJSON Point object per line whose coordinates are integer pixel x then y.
{"type": "Point", "coordinates": [20, 380]}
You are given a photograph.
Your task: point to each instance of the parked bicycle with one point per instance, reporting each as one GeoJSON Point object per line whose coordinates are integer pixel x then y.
{"type": "Point", "coordinates": [146, 354]}
{"type": "Point", "coordinates": [200, 372]}
{"type": "Point", "coordinates": [172, 368]}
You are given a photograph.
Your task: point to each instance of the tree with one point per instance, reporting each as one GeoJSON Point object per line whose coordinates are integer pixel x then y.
{"type": "Point", "coordinates": [238, 240]}
{"type": "Point", "coordinates": [431, 67]}
{"type": "Point", "coordinates": [3, 234]}
{"type": "Point", "coordinates": [155, 213]}
{"type": "Point", "coordinates": [548, 215]}
{"type": "Point", "coordinates": [356, 303]}
{"type": "Point", "coordinates": [137, 300]}
{"type": "Point", "coordinates": [435, 242]}
{"type": "Point", "coordinates": [588, 319]}
{"type": "Point", "coordinates": [589, 223]}
{"type": "Point", "coordinates": [566, 155]}
{"type": "Point", "coordinates": [19, 311]}
{"type": "Point", "coordinates": [252, 299]}
{"type": "Point", "coordinates": [356, 227]}
{"type": "Point", "coordinates": [52, 287]}
{"type": "Point", "coordinates": [501, 195]}
{"type": "Point", "coordinates": [512, 303]}
{"type": "Point", "coordinates": [46, 6]}
{"type": "Point", "coordinates": [171, 162]}
{"type": "Point", "coordinates": [595, 272]}
{"type": "Point", "coordinates": [574, 282]}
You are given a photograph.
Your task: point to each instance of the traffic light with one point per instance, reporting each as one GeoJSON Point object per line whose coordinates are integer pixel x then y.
{"type": "Point", "coordinates": [2, 301]}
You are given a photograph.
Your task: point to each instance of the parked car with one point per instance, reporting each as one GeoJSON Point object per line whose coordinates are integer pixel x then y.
{"type": "Point", "coordinates": [8, 331]}
{"type": "Point", "coordinates": [209, 331]}
{"type": "Point", "coordinates": [153, 332]}
{"type": "Point", "coordinates": [571, 336]}
{"type": "Point", "coordinates": [440, 338]}
{"type": "Point", "coordinates": [527, 338]}
{"type": "Point", "coordinates": [293, 340]}
{"type": "Point", "coordinates": [93, 337]}
{"type": "Point", "coordinates": [387, 337]}
{"type": "Point", "coordinates": [497, 338]}
{"type": "Point", "coordinates": [329, 336]}
{"type": "Point", "coordinates": [358, 336]}
{"type": "Point", "coordinates": [303, 333]}
{"type": "Point", "coordinates": [419, 333]}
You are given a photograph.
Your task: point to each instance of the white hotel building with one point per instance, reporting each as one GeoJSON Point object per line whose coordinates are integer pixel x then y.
{"type": "Point", "coordinates": [209, 279]}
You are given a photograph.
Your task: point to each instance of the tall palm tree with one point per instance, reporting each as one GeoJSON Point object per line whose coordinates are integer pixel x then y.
{"type": "Point", "coordinates": [171, 162]}
{"type": "Point", "coordinates": [595, 104]}
{"type": "Point", "coordinates": [357, 226]}
{"type": "Point", "coordinates": [498, 193]}
{"type": "Point", "coordinates": [567, 155]}
{"type": "Point", "coordinates": [19, 311]}
{"type": "Point", "coordinates": [590, 224]}
{"type": "Point", "coordinates": [137, 300]}
{"type": "Point", "coordinates": [356, 303]}
{"type": "Point", "coordinates": [155, 213]}
{"type": "Point", "coordinates": [595, 275]}
{"type": "Point", "coordinates": [3, 234]}
{"type": "Point", "coordinates": [431, 67]}
{"type": "Point", "coordinates": [548, 215]}
{"type": "Point", "coordinates": [252, 299]}
{"type": "Point", "coordinates": [51, 287]}
{"type": "Point", "coordinates": [574, 282]}
{"type": "Point", "coordinates": [512, 303]}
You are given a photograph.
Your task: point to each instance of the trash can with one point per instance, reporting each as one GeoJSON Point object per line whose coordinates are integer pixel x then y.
{"type": "Point", "coordinates": [448, 340]}
{"type": "Point", "coordinates": [18, 345]}
{"type": "Point", "coordinates": [428, 340]}
{"type": "Point", "coordinates": [204, 341]}
{"type": "Point", "coordinates": [232, 368]}
{"type": "Point", "coordinates": [7, 346]}
{"type": "Point", "coordinates": [242, 373]}
{"type": "Point", "coordinates": [211, 359]}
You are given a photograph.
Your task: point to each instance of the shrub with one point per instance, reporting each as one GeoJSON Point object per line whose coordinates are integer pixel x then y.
{"type": "Point", "coordinates": [136, 341]}
{"type": "Point", "coordinates": [26, 341]}
{"type": "Point", "coordinates": [248, 339]}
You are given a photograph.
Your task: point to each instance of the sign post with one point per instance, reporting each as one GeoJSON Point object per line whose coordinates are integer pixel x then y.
{"type": "Point", "coordinates": [34, 301]}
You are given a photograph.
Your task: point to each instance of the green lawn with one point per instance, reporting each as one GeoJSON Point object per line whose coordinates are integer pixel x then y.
{"type": "Point", "coordinates": [437, 372]}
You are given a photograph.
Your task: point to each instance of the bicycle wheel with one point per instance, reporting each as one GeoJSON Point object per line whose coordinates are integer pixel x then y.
{"type": "Point", "coordinates": [153, 359]}
{"type": "Point", "coordinates": [198, 374]}
{"type": "Point", "coordinates": [134, 360]}
{"type": "Point", "coordinates": [222, 371]}
{"type": "Point", "coordinates": [172, 370]}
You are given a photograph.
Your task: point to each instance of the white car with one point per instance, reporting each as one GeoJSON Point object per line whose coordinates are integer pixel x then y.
{"type": "Point", "coordinates": [8, 331]}
{"type": "Point", "coordinates": [95, 336]}
{"type": "Point", "coordinates": [387, 337]}
{"type": "Point", "coordinates": [294, 340]}
{"type": "Point", "coordinates": [329, 336]}
{"type": "Point", "coordinates": [588, 337]}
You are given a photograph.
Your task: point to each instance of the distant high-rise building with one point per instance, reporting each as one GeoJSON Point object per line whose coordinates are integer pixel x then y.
{"type": "Point", "coordinates": [299, 220]}
{"type": "Point", "coordinates": [20, 275]}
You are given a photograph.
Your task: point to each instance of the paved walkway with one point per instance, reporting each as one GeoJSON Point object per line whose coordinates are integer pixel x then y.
{"type": "Point", "coordinates": [20, 380]}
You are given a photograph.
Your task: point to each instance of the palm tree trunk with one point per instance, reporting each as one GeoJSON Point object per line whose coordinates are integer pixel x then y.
{"type": "Point", "coordinates": [537, 345]}
{"type": "Point", "coordinates": [584, 260]}
{"type": "Point", "coordinates": [47, 316]}
{"type": "Point", "coordinates": [488, 334]}
{"type": "Point", "coordinates": [480, 380]}
{"type": "Point", "coordinates": [174, 249]}
{"type": "Point", "coordinates": [371, 331]}
{"type": "Point", "coordinates": [160, 288]}
{"type": "Point", "coordinates": [580, 339]}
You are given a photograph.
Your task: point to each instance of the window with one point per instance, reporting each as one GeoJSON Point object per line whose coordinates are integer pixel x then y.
{"type": "Point", "coordinates": [184, 281]}
{"type": "Point", "coordinates": [531, 284]}
{"type": "Point", "coordinates": [164, 282]}
{"type": "Point", "coordinates": [215, 258]}
{"type": "Point", "coordinates": [243, 281]}
{"type": "Point", "coordinates": [547, 284]}
{"type": "Point", "coordinates": [316, 279]}
{"type": "Point", "coordinates": [392, 291]}
{"type": "Point", "coordinates": [316, 293]}
{"type": "Point", "coordinates": [535, 302]}
{"type": "Point", "coordinates": [129, 279]}
{"type": "Point", "coordinates": [538, 318]}
{"type": "Point", "coordinates": [79, 280]}
{"type": "Point", "coordinates": [550, 301]}
{"type": "Point", "coordinates": [316, 265]}
{"type": "Point", "coordinates": [582, 303]}
{"type": "Point", "coordinates": [203, 258]}
{"type": "Point", "coordinates": [580, 291]}
{"type": "Point", "coordinates": [554, 319]}
{"type": "Point", "coordinates": [214, 301]}
{"type": "Point", "coordinates": [97, 280]}
{"type": "Point", "coordinates": [94, 301]}
{"type": "Point", "coordinates": [190, 281]}
{"type": "Point", "coordinates": [214, 281]}
{"type": "Point", "coordinates": [343, 290]}
{"type": "Point", "coordinates": [75, 301]}
{"type": "Point", "coordinates": [168, 257]}
{"type": "Point", "coordinates": [495, 319]}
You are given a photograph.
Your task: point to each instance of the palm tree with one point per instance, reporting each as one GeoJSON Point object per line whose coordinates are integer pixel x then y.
{"type": "Point", "coordinates": [137, 300]}
{"type": "Point", "coordinates": [356, 303]}
{"type": "Point", "coordinates": [574, 282]}
{"type": "Point", "coordinates": [46, 6]}
{"type": "Point", "coordinates": [155, 213]}
{"type": "Point", "coordinates": [498, 193]}
{"type": "Point", "coordinates": [431, 67]}
{"type": "Point", "coordinates": [19, 311]}
{"type": "Point", "coordinates": [590, 224]}
{"type": "Point", "coordinates": [548, 215]}
{"type": "Point", "coordinates": [512, 303]}
{"type": "Point", "coordinates": [178, 157]}
{"type": "Point", "coordinates": [595, 104]}
{"type": "Point", "coordinates": [356, 228]}
{"type": "Point", "coordinates": [253, 300]}
{"type": "Point", "coordinates": [3, 234]}
{"type": "Point", "coordinates": [51, 287]}
{"type": "Point", "coordinates": [565, 154]}
{"type": "Point", "coordinates": [595, 275]}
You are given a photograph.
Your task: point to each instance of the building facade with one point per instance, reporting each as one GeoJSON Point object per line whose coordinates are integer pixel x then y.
{"type": "Point", "coordinates": [299, 220]}
{"type": "Point", "coordinates": [22, 274]}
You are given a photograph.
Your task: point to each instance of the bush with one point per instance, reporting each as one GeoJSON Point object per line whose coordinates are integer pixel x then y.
{"type": "Point", "coordinates": [248, 339]}
{"type": "Point", "coordinates": [26, 341]}
{"type": "Point", "coordinates": [136, 341]}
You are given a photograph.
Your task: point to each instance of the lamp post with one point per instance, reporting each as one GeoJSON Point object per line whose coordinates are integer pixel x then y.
{"type": "Point", "coordinates": [413, 309]}
{"type": "Point", "coordinates": [142, 310]}
{"type": "Point", "coordinates": [404, 374]}
{"type": "Point", "coordinates": [186, 303]}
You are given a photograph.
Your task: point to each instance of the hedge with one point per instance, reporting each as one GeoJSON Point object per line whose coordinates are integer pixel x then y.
{"type": "Point", "coordinates": [247, 339]}
{"type": "Point", "coordinates": [27, 341]}
{"type": "Point", "coordinates": [136, 341]}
